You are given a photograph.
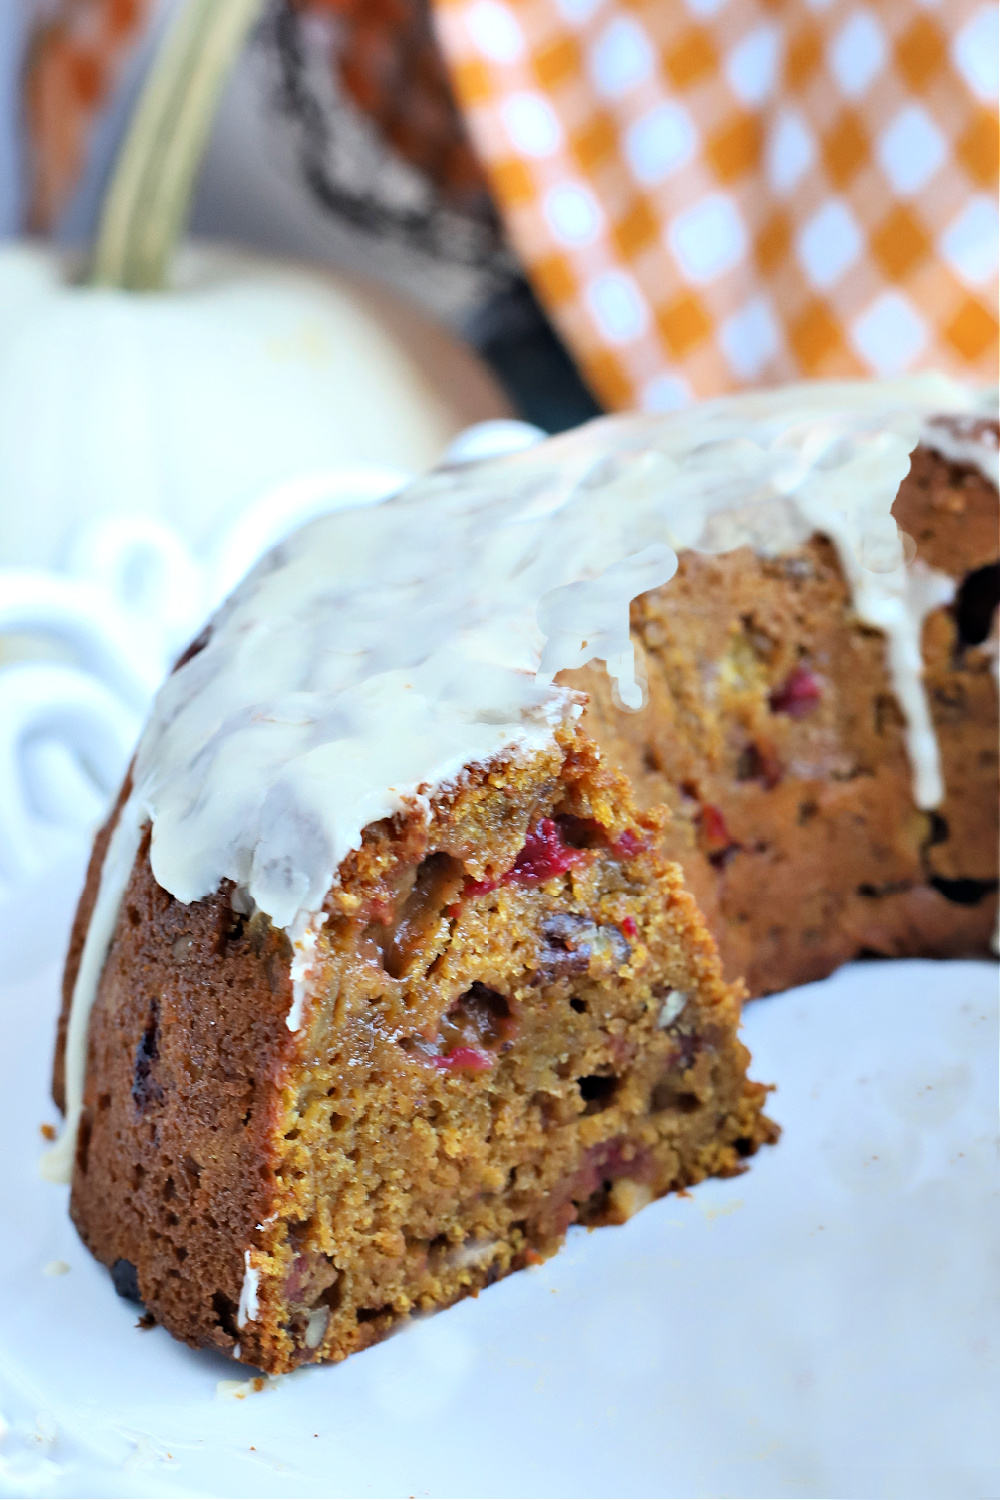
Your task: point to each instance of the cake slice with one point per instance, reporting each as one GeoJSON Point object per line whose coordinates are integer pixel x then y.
{"type": "Point", "coordinates": [508, 1018]}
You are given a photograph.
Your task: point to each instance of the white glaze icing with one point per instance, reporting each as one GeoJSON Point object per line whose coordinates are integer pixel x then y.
{"type": "Point", "coordinates": [966, 440]}
{"type": "Point", "coordinates": [304, 935]}
{"type": "Point", "coordinates": [249, 1308]}
{"type": "Point", "coordinates": [898, 603]}
{"type": "Point", "coordinates": [376, 653]}
{"type": "Point", "coordinates": [57, 1163]}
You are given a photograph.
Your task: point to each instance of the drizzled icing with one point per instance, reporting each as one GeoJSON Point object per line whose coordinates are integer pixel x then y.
{"type": "Point", "coordinates": [967, 439]}
{"type": "Point", "coordinates": [376, 653]}
{"type": "Point", "coordinates": [249, 1308]}
{"type": "Point", "coordinates": [304, 935]}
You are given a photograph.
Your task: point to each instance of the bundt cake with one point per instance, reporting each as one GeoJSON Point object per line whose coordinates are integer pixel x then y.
{"type": "Point", "coordinates": [386, 970]}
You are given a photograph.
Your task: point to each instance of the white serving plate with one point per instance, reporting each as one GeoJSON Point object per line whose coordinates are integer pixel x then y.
{"type": "Point", "coordinates": [825, 1325]}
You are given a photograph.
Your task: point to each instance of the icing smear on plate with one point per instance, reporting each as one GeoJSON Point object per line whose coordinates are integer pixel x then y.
{"type": "Point", "coordinates": [373, 655]}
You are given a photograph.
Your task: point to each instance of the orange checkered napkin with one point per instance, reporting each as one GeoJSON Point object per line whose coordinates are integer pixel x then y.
{"type": "Point", "coordinates": [712, 193]}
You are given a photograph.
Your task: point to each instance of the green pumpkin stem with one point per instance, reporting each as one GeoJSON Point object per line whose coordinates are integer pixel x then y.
{"type": "Point", "coordinates": [148, 198]}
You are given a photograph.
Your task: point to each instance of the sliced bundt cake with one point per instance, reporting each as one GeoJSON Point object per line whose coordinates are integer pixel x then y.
{"type": "Point", "coordinates": [381, 980]}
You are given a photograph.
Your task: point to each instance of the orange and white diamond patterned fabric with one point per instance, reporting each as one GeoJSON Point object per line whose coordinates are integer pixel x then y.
{"type": "Point", "coordinates": [713, 193]}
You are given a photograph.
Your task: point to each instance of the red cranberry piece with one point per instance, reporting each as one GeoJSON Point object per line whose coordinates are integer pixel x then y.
{"type": "Point", "coordinates": [713, 826]}
{"type": "Point", "coordinates": [798, 696]}
{"type": "Point", "coordinates": [296, 1278]}
{"type": "Point", "coordinates": [545, 854]}
{"type": "Point", "coordinates": [466, 1059]}
{"type": "Point", "coordinates": [145, 1088]}
{"type": "Point", "coordinates": [628, 927]}
{"type": "Point", "coordinates": [716, 839]}
{"type": "Point", "coordinates": [470, 889]}
{"type": "Point", "coordinates": [628, 845]}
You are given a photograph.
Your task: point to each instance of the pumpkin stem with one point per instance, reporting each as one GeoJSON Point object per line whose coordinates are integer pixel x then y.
{"type": "Point", "coordinates": [146, 204]}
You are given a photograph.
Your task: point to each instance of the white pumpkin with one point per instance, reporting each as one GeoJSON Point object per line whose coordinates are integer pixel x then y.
{"type": "Point", "coordinates": [183, 406]}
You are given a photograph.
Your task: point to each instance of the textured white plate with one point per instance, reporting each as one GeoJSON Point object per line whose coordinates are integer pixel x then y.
{"type": "Point", "coordinates": [826, 1325]}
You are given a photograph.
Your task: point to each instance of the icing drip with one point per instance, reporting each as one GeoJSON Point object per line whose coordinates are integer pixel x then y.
{"type": "Point", "coordinates": [123, 846]}
{"type": "Point", "coordinates": [582, 621]}
{"type": "Point", "coordinates": [305, 940]}
{"type": "Point", "coordinates": [376, 653]}
{"type": "Point", "coordinates": [899, 604]}
{"type": "Point", "coordinates": [967, 438]}
{"type": "Point", "coordinates": [249, 1308]}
